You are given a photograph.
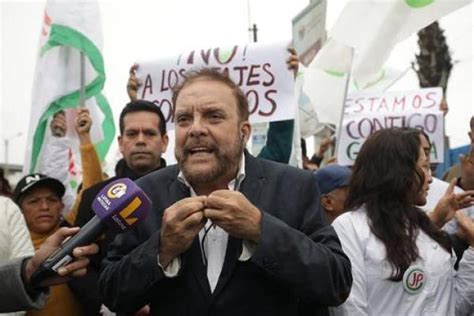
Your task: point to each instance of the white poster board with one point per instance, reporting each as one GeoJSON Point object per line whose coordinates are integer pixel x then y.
{"type": "Point", "coordinates": [366, 113]}
{"type": "Point", "coordinates": [260, 70]}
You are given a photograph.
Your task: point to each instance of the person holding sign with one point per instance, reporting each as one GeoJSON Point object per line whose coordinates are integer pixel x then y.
{"type": "Point", "coordinates": [229, 234]}
{"type": "Point", "coordinates": [402, 263]}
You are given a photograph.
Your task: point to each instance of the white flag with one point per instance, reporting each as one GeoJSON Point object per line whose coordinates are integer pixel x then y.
{"type": "Point", "coordinates": [374, 27]}
{"type": "Point", "coordinates": [371, 28]}
{"type": "Point", "coordinates": [326, 81]}
{"type": "Point", "coordinates": [69, 28]}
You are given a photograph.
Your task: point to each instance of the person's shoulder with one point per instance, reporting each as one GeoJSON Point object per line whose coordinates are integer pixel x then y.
{"type": "Point", "coordinates": [8, 206]}
{"type": "Point", "coordinates": [166, 174]}
{"type": "Point", "coordinates": [357, 217]}
{"type": "Point", "coordinates": [10, 216]}
{"type": "Point", "coordinates": [270, 167]}
{"type": "Point", "coordinates": [281, 177]}
{"type": "Point", "coordinates": [93, 189]}
{"type": "Point", "coordinates": [353, 225]}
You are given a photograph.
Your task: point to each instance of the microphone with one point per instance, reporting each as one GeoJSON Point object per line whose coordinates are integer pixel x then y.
{"type": "Point", "coordinates": [119, 206]}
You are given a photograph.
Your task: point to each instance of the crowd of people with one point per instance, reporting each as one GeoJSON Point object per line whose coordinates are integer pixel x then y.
{"type": "Point", "coordinates": [234, 234]}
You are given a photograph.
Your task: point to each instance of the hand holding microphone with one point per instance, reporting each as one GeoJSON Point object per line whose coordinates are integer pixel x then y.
{"type": "Point", "coordinates": [75, 268]}
{"type": "Point", "coordinates": [119, 206]}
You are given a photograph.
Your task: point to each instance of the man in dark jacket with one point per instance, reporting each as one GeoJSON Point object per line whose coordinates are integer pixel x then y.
{"type": "Point", "coordinates": [229, 234]}
{"type": "Point", "coordinates": [142, 141]}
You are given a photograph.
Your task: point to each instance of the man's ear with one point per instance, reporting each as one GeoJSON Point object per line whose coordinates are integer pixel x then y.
{"type": "Point", "coordinates": [245, 130]}
{"type": "Point", "coordinates": [326, 202]}
{"type": "Point", "coordinates": [119, 140]}
{"type": "Point", "coordinates": [164, 140]}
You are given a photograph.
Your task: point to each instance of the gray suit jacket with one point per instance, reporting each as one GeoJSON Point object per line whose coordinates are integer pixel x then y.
{"type": "Point", "coordinates": [13, 295]}
{"type": "Point", "coordinates": [298, 266]}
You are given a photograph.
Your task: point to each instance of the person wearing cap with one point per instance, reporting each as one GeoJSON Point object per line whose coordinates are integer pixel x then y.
{"type": "Point", "coordinates": [333, 183]}
{"type": "Point", "coordinates": [40, 199]}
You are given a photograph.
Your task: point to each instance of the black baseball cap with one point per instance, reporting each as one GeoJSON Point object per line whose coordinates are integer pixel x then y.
{"type": "Point", "coordinates": [36, 180]}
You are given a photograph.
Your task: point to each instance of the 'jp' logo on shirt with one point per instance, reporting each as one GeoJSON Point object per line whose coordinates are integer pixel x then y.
{"type": "Point", "coordinates": [414, 279]}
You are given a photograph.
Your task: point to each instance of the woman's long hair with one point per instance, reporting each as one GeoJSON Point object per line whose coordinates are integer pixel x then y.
{"type": "Point", "coordinates": [385, 180]}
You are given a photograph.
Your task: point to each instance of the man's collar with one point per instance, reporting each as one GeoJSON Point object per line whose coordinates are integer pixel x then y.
{"type": "Point", "coordinates": [233, 185]}
{"type": "Point", "coordinates": [123, 170]}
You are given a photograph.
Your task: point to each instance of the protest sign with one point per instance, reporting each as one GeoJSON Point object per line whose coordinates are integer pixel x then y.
{"type": "Point", "coordinates": [366, 113]}
{"type": "Point", "coordinates": [260, 70]}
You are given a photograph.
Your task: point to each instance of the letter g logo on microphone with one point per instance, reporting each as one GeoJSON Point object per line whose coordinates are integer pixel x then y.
{"type": "Point", "coordinates": [117, 191]}
{"type": "Point", "coordinates": [125, 204]}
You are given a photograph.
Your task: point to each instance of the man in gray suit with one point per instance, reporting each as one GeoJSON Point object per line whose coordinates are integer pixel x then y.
{"type": "Point", "coordinates": [17, 293]}
{"type": "Point", "coordinates": [229, 234]}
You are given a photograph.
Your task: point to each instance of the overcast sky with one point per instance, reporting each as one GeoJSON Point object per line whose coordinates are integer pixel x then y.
{"type": "Point", "coordinates": [137, 30]}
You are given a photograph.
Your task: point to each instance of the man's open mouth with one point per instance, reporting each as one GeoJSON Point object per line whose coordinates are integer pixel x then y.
{"type": "Point", "coordinates": [200, 150]}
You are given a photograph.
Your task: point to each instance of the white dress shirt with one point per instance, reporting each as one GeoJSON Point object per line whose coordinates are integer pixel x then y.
{"type": "Point", "coordinates": [444, 290]}
{"type": "Point", "coordinates": [215, 243]}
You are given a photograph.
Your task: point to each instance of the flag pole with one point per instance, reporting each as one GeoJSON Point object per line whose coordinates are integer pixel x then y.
{"type": "Point", "coordinates": [82, 91]}
{"type": "Point", "coordinates": [341, 119]}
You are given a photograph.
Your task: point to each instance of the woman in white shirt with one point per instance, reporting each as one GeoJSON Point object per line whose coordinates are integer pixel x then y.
{"type": "Point", "coordinates": [402, 264]}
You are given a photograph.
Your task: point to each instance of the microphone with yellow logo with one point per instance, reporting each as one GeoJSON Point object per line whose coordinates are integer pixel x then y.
{"type": "Point", "coordinates": [119, 206]}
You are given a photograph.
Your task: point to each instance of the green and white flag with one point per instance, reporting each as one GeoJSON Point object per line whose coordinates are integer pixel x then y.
{"type": "Point", "coordinates": [68, 28]}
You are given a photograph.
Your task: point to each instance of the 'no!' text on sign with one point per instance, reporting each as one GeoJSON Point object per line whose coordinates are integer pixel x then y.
{"type": "Point", "coordinates": [366, 113]}
{"type": "Point", "coordinates": [260, 70]}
